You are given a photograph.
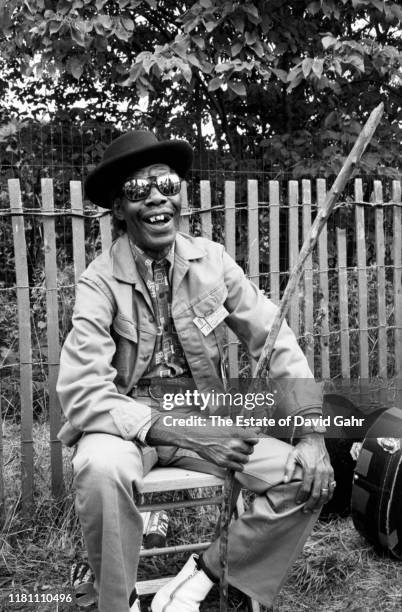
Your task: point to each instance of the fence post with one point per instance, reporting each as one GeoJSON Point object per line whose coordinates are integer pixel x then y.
{"type": "Point", "coordinates": [324, 290]}
{"type": "Point", "coordinates": [185, 218]}
{"type": "Point", "coordinates": [78, 229]}
{"type": "Point", "coordinates": [274, 269]}
{"type": "Point", "coordinates": [253, 241]}
{"type": "Point", "coordinates": [396, 198]}
{"type": "Point", "coordinates": [293, 199]}
{"type": "Point", "coordinates": [105, 230]}
{"type": "Point", "coordinates": [343, 302]}
{"type": "Point", "coordinates": [380, 255]}
{"type": "Point", "coordinates": [206, 219]}
{"type": "Point", "coordinates": [361, 281]}
{"type": "Point", "coordinates": [230, 246]}
{"type": "Point", "coordinates": [25, 343]}
{"type": "Point", "coordinates": [49, 236]}
{"type": "Point", "coordinates": [308, 278]}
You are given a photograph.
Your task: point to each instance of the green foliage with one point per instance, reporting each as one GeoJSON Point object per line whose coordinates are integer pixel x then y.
{"type": "Point", "coordinates": [297, 78]}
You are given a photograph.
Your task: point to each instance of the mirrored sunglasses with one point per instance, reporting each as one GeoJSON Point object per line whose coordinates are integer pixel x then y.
{"type": "Point", "coordinates": [139, 188]}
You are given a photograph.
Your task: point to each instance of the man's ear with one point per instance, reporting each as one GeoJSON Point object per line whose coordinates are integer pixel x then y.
{"type": "Point", "coordinates": [118, 209]}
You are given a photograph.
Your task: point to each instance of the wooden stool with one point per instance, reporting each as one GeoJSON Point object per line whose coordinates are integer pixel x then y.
{"type": "Point", "coordinates": [160, 480]}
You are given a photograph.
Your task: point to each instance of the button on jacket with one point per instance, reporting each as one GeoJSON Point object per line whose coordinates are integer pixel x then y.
{"type": "Point", "coordinates": [112, 339]}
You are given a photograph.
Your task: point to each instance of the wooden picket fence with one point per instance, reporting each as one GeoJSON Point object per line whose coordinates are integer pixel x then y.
{"type": "Point", "coordinates": [316, 331]}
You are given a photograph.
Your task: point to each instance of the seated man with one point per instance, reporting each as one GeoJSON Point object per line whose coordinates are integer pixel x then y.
{"type": "Point", "coordinates": [143, 312]}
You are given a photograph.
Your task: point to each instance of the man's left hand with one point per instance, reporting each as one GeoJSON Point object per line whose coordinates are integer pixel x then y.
{"type": "Point", "coordinates": [318, 485]}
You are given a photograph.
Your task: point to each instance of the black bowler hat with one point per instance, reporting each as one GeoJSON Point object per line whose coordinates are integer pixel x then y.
{"type": "Point", "coordinates": [128, 153]}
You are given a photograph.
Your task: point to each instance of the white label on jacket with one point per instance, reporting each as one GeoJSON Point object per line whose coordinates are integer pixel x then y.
{"type": "Point", "coordinates": [207, 324]}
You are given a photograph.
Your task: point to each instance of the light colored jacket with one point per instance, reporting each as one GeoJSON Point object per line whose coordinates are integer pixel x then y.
{"type": "Point", "coordinates": [112, 338]}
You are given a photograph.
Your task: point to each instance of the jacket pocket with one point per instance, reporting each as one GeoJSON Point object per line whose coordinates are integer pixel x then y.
{"type": "Point", "coordinates": [125, 328]}
{"type": "Point", "coordinates": [208, 304]}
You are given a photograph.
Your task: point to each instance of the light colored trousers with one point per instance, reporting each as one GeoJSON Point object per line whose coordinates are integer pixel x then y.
{"type": "Point", "coordinates": [262, 543]}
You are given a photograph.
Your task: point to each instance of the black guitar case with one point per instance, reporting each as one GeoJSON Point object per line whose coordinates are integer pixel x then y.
{"type": "Point", "coordinates": [377, 485]}
{"type": "Point", "coordinates": [339, 452]}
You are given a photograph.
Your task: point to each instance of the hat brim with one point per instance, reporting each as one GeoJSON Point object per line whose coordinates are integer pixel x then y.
{"type": "Point", "coordinates": [103, 183]}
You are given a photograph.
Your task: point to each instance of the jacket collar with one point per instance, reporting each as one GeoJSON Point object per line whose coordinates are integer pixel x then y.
{"type": "Point", "coordinates": [124, 268]}
{"type": "Point", "coordinates": [186, 248]}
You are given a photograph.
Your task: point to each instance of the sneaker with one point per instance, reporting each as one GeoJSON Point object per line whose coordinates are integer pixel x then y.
{"type": "Point", "coordinates": [185, 592]}
{"type": "Point", "coordinates": [136, 606]}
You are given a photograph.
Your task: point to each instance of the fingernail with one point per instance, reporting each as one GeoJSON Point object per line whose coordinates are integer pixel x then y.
{"type": "Point", "coordinates": [286, 479]}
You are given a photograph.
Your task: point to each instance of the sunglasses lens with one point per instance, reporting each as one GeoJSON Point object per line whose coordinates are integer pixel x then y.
{"type": "Point", "coordinates": [136, 189]}
{"type": "Point", "coordinates": [168, 184]}
{"type": "Point", "coordinates": [139, 188]}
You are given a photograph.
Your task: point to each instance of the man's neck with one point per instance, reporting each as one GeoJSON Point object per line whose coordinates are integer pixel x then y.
{"type": "Point", "coordinates": [156, 255]}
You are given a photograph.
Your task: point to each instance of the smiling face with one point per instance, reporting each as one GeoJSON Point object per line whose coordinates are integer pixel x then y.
{"type": "Point", "coordinates": [152, 223]}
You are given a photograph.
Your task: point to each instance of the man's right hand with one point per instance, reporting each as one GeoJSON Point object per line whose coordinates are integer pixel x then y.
{"type": "Point", "coordinates": [228, 449]}
{"type": "Point", "coordinates": [228, 446]}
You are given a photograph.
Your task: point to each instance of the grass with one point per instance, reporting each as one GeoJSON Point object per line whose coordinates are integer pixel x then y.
{"type": "Point", "coordinates": [337, 570]}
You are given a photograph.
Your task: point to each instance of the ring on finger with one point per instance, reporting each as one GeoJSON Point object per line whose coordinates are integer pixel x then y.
{"type": "Point", "coordinates": [324, 490]}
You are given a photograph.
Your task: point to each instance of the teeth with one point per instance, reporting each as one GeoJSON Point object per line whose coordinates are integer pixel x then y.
{"type": "Point", "coordinates": [156, 218]}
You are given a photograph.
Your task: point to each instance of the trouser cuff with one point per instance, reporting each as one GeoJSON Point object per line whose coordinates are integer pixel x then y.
{"type": "Point", "coordinates": [203, 566]}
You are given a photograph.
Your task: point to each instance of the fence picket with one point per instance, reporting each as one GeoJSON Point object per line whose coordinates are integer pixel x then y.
{"type": "Point", "coordinates": [49, 237]}
{"type": "Point", "coordinates": [397, 257]}
{"type": "Point", "coordinates": [380, 253]}
{"type": "Point", "coordinates": [293, 199]}
{"type": "Point", "coordinates": [308, 278]}
{"type": "Point", "coordinates": [274, 272]}
{"type": "Point", "coordinates": [343, 302]}
{"type": "Point", "coordinates": [105, 227]}
{"type": "Point", "coordinates": [25, 343]}
{"type": "Point", "coordinates": [230, 246]}
{"type": "Point", "coordinates": [78, 229]}
{"type": "Point", "coordinates": [185, 218]}
{"type": "Point", "coordinates": [253, 259]}
{"type": "Point", "coordinates": [361, 281]}
{"type": "Point", "coordinates": [324, 290]}
{"type": "Point", "coordinates": [206, 219]}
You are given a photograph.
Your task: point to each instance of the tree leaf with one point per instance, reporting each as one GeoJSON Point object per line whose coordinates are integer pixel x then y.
{"type": "Point", "coordinates": [281, 74]}
{"type": "Point", "coordinates": [78, 37]}
{"type": "Point", "coordinates": [214, 84]}
{"type": "Point", "coordinates": [54, 26]}
{"type": "Point", "coordinates": [258, 48]}
{"type": "Point", "coordinates": [76, 67]}
{"type": "Point", "coordinates": [238, 22]}
{"type": "Point", "coordinates": [328, 41]}
{"type": "Point", "coordinates": [318, 67]}
{"type": "Point", "coordinates": [307, 64]}
{"type": "Point", "coordinates": [238, 88]}
{"type": "Point", "coordinates": [224, 67]}
{"type": "Point", "coordinates": [236, 48]}
{"type": "Point", "coordinates": [252, 11]}
{"type": "Point", "coordinates": [127, 23]}
{"type": "Point", "coordinates": [251, 37]}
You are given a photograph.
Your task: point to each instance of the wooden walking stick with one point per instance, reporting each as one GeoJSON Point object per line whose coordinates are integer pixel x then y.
{"type": "Point", "coordinates": [263, 363]}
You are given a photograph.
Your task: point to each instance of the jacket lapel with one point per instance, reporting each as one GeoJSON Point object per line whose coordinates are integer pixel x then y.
{"type": "Point", "coordinates": [125, 269]}
{"type": "Point", "coordinates": [185, 252]}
